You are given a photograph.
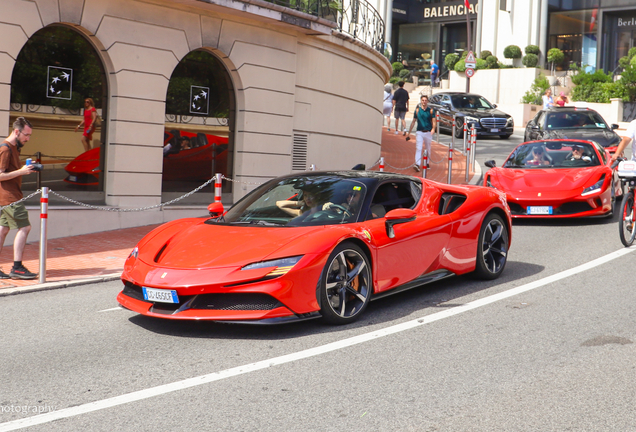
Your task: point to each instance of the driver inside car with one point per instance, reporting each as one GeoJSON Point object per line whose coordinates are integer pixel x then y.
{"type": "Point", "coordinates": [351, 202]}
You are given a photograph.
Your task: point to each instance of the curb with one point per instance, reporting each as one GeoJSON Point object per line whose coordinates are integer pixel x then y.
{"type": "Point", "coordinates": [57, 285]}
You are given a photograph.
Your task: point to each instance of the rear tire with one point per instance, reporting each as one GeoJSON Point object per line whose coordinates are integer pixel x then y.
{"type": "Point", "coordinates": [492, 248]}
{"type": "Point", "coordinates": [626, 226]}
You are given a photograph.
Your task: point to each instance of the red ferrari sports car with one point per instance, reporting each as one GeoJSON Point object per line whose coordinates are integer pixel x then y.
{"type": "Point", "coordinates": [556, 178]}
{"type": "Point", "coordinates": [187, 156]}
{"type": "Point", "coordinates": [316, 245]}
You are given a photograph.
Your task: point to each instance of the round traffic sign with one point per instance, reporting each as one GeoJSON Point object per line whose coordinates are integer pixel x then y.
{"type": "Point", "coordinates": [470, 72]}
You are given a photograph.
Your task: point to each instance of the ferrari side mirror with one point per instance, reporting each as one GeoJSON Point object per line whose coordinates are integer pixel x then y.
{"type": "Point", "coordinates": [397, 216]}
{"type": "Point", "coordinates": [215, 209]}
{"type": "Point", "coordinates": [490, 163]}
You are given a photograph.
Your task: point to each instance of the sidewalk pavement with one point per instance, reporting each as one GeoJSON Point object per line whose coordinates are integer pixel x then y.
{"type": "Point", "coordinates": [98, 257]}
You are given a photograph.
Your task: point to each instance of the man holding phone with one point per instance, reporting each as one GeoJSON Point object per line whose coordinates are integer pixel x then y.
{"type": "Point", "coordinates": [14, 216]}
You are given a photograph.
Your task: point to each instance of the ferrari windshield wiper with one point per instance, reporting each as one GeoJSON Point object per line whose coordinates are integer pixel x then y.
{"type": "Point", "coordinates": [256, 222]}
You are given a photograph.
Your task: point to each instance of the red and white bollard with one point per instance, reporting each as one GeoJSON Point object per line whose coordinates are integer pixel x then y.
{"type": "Point", "coordinates": [450, 159]}
{"type": "Point", "coordinates": [465, 135]}
{"type": "Point", "coordinates": [381, 164]}
{"type": "Point", "coordinates": [468, 154]}
{"type": "Point", "coordinates": [424, 163]}
{"type": "Point", "coordinates": [44, 215]}
{"type": "Point", "coordinates": [218, 187]}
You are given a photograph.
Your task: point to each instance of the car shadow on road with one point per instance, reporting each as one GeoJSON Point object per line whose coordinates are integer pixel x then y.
{"type": "Point", "coordinates": [414, 303]}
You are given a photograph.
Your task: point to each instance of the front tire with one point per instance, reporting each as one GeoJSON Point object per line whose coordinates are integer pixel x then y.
{"type": "Point", "coordinates": [626, 226]}
{"type": "Point", "coordinates": [492, 248]}
{"type": "Point", "coordinates": [346, 284]}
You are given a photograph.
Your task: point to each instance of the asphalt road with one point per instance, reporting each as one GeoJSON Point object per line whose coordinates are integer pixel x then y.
{"type": "Point", "coordinates": [547, 347]}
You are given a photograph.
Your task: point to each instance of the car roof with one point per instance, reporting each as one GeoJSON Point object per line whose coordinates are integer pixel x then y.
{"type": "Point", "coordinates": [367, 177]}
{"type": "Point", "coordinates": [569, 109]}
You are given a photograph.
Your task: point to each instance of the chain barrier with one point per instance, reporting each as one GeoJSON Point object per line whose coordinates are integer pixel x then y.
{"type": "Point", "coordinates": [239, 181]}
{"type": "Point", "coordinates": [124, 210]}
{"type": "Point", "coordinates": [23, 199]}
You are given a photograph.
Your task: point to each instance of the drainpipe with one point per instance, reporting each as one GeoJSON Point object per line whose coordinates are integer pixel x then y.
{"type": "Point", "coordinates": [543, 32]}
{"type": "Point", "coordinates": [480, 16]}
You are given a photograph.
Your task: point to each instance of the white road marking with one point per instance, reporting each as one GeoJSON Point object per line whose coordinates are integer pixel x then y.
{"type": "Point", "coordinates": [311, 352]}
{"type": "Point", "coordinates": [111, 309]}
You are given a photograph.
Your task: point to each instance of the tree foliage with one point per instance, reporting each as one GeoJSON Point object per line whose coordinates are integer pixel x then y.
{"type": "Point", "coordinates": [538, 88]}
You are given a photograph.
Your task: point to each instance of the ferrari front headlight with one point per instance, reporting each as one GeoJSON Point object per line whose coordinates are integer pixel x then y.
{"type": "Point", "coordinates": [596, 187]}
{"type": "Point", "coordinates": [281, 265]}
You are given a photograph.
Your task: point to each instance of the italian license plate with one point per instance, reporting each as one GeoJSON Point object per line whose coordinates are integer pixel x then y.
{"type": "Point", "coordinates": [160, 295]}
{"type": "Point", "coordinates": [72, 178]}
{"type": "Point", "coordinates": [494, 130]}
{"type": "Point", "coordinates": [540, 210]}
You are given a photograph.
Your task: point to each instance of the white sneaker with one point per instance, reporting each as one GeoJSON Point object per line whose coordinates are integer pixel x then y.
{"type": "Point", "coordinates": [397, 133]}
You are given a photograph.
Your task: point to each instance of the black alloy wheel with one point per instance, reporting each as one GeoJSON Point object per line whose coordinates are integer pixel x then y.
{"type": "Point", "coordinates": [345, 286]}
{"type": "Point", "coordinates": [492, 248]}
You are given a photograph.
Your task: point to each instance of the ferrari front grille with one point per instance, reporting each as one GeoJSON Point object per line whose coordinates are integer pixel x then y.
{"type": "Point", "coordinates": [237, 302]}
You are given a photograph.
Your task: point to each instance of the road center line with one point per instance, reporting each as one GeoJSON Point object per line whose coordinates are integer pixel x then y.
{"type": "Point", "coordinates": [111, 309]}
{"type": "Point", "coordinates": [311, 352]}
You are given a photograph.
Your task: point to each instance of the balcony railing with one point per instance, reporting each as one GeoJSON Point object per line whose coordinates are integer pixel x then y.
{"type": "Point", "coordinates": [356, 18]}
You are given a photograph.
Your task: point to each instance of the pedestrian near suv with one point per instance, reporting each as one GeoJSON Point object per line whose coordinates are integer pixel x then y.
{"type": "Point", "coordinates": [426, 122]}
{"type": "Point", "coordinates": [14, 216]}
{"type": "Point", "coordinates": [400, 107]}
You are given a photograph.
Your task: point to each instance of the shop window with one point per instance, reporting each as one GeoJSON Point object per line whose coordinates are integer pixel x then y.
{"type": "Point", "coordinates": [56, 71]}
{"type": "Point", "coordinates": [574, 33]}
{"type": "Point", "coordinates": [197, 139]}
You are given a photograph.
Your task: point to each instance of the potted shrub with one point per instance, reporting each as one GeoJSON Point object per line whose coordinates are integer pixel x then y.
{"type": "Point", "coordinates": [512, 52]}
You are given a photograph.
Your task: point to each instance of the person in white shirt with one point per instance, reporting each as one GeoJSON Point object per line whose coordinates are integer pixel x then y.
{"type": "Point", "coordinates": [629, 136]}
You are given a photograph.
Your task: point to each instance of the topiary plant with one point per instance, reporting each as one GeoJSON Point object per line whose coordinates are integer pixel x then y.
{"type": "Point", "coordinates": [480, 64]}
{"type": "Point", "coordinates": [512, 52]}
{"type": "Point", "coordinates": [397, 67]}
{"type": "Point", "coordinates": [530, 60]}
{"type": "Point", "coordinates": [450, 60]}
{"type": "Point", "coordinates": [493, 62]}
{"type": "Point", "coordinates": [405, 75]}
{"type": "Point", "coordinates": [555, 56]}
{"type": "Point", "coordinates": [533, 49]}
{"type": "Point", "coordinates": [485, 54]}
{"type": "Point", "coordinates": [460, 66]}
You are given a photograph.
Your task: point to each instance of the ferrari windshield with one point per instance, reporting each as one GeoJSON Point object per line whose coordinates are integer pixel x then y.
{"type": "Point", "coordinates": [574, 119]}
{"type": "Point", "coordinates": [553, 154]}
{"type": "Point", "coordinates": [299, 201]}
{"type": "Point", "coordinates": [471, 102]}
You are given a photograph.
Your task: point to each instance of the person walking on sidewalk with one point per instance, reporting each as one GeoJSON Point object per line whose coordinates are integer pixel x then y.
{"type": "Point", "coordinates": [425, 117]}
{"type": "Point", "coordinates": [387, 106]}
{"type": "Point", "coordinates": [14, 216]}
{"type": "Point", "coordinates": [434, 73]}
{"type": "Point", "coordinates": [400, 107]}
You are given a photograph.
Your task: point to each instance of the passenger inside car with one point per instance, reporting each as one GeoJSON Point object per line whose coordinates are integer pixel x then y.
{"type": "Point", "coordinates": [538, 157]}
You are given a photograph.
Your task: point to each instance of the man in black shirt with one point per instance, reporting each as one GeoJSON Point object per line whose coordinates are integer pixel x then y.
{"type": "Point", "coordinates": [400, 106]}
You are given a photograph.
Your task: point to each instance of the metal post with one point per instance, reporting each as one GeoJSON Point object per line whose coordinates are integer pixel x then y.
{"type": "Point", "coordinates": [44, 209]}
{"type": "Point", "coordinates": [465, 135]}
{"type": "Point", "coordinates": [473, 147]}
{"type": "Point", "coordinates": [468, 152]}
{"type": "Point", "coordinates": [381, 164]}
{"type": "Point", "coordinates": [218, 187]}
{"type": "Point", "coordinates": [450, 154]}
{"type": "Point", "coordinates": [424, 163]}
{"type": "Point", "coordinates": [437, 126]}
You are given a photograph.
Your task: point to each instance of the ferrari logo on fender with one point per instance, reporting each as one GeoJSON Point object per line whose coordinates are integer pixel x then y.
{"type": "Point", "coordinates": [164, 275]}
{"type": "Point", "coordinates": [539, 194]}
{"type": "Point", "coordinates": [367, 233]}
